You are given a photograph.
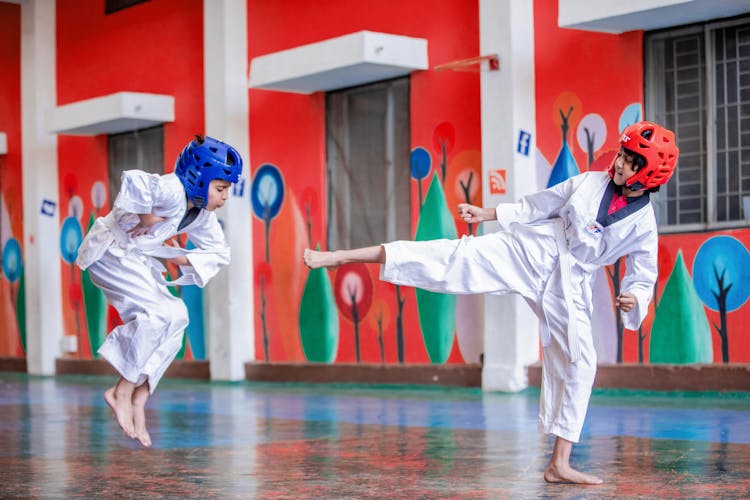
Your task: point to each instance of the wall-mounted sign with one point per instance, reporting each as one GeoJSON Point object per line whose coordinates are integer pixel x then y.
{"type": "Point", "coordinates": [48, 208]}
{"type": "Point", "coordinates": [524, 142]}
{"type": "Point", "coordinates": [497, 181]}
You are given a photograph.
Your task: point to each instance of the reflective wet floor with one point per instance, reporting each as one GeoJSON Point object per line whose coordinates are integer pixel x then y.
{"type": "Point", "coordinates": [58, 439]}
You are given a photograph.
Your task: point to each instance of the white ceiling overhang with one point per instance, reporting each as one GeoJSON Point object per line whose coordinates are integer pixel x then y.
{"type": "Point", "coordinates": [3, 143]}
{"type": "Point", "coordinates": [616, 16]}
{"type": "Point", "coordinates": [353, 59]}
{"type": "Point", "coordinates": [111, 114]}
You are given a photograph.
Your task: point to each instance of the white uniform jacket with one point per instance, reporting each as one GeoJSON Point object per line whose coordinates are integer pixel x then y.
{"type": "Point", "coordinates": [593, 238]}
{"type": "Point", "coordinates": [162, 196]}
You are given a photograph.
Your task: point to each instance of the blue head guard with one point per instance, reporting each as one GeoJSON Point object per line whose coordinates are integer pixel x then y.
{"type": "Point", "coordinates": [203, 160]}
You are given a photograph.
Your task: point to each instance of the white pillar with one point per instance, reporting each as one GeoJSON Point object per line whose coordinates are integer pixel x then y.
{"type": "Point", "coordinates": [229, 295]}
{"type": "Point", "coordinates": [508, 112]}
{"type": "Point", "coordinates": [41, 206]}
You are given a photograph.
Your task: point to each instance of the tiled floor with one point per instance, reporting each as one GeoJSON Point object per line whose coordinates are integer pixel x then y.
{"type": "Point", "coordinates": [58, 440]}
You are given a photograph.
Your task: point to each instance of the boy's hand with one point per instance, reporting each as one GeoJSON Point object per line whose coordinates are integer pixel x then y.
{"type": "Point", "coordinates": [625, 301]}
{"type": "Point", "coordinates": [473, 215]}
{"type": "Point", "coordinates": [144, 226]}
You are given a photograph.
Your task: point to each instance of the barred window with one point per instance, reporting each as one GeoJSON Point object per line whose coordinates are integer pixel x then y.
{"type": "Point", "coordinates": [698, 84]}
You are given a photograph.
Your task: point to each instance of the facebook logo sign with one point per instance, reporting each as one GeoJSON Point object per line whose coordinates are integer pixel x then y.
{"type": "Point", "coordinates": [524, 142]}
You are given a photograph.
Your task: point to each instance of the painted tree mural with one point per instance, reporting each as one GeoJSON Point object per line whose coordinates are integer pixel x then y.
{"type": "Point", "coordinates": [13, 271]}
{"type": "Point", "coordinates": [591, 134]}
{"type": "Point", "coordinates": [680, 333]}
{"type": "Point", "coordinates": [94, 301]}
{"type": "Point", "coordinates": [444, 138]}
{"type": "Point", "coordinates": [420, 163]}
{"type": "Point", "coordinates": [262, 276]}
{"type": "Point", "coordinates": [318, 318]}
{"type": "Point", "coordinates": [266, 196]}
{"type": "Point", "coordinates": [565, 165]}
{"type": "Point", "coordinates": [437, 311]}
{"type": "Point", "coordinates": [71, 237]}
{"type": "Point", "coordinates": [353, 293]}
{"type": "Point", "coordinates": [721, 276]}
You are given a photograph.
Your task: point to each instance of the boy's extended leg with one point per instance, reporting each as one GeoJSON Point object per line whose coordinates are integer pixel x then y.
{"type": "Point", "coordinates": [119, 398]}
{"type": "Point", "coordinates": [315, 259]}
{"type": "Point", "coordinates": [559, 469]}
{"type": "Point", "coordinates": [140, 396]}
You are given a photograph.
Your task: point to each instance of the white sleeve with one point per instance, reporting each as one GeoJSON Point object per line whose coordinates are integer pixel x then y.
{"type": "Point", "coordinates": [640, 277]}
{"type": "Point", "coordinates": [214, 252]}
{"type": "Point", "coordinates": [136, 192]}
{"type": "Point", "coordinates": [544, 204]}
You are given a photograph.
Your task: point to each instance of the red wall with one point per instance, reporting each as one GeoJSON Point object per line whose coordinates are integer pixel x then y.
{"type": "Point", "coordinates": [602, 73]}
{"type": "Point", "coordinates": [288, 131]}
{"type": "Point", "coordinates": [11, 189]}
{"type": "Point", "coordinates": [154, 47]}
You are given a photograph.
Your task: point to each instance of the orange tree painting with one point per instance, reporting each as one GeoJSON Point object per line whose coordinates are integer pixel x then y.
{"type": "Point", "coordinates": [353, 293]}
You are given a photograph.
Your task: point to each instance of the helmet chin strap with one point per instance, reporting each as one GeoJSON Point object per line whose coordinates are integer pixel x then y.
{"type": "Point", "coordinates": [636, 186]}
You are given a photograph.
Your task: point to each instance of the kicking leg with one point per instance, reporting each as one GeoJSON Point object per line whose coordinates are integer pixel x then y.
{"type": "Point", "coordinates": [119, 398]}
{"type": "Point", "coordinates": [315, 259]}
{"type": "Point", "coordinates": [140, 396]}
{"type": "Point", "coordinates": [559, 469]}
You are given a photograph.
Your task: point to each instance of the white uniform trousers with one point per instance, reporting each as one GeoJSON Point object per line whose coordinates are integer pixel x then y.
{"type": "Point", "coordinates": [524, 262]}
{"type": "Point", "coordinates": [143, 347]}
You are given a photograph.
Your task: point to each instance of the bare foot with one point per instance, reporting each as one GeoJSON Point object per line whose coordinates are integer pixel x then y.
{"type": "Point", "coordinates": [140, 396]}
{"type": "Point", "coordinates": [122, 408]}
{"type": "Point", "coordinates": [315, 259]}
{"type": "Point", "coordinates": [568, 474]}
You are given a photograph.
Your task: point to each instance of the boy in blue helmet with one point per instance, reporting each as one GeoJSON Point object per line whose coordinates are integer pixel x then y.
{"type": "Point", "coordinates": [122, 252]}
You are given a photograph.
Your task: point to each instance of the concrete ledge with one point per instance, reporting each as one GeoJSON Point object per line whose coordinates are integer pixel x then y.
{"type": "Point", "coordinates": [438, 375]}
{"type": "Point", "coordinates": [713, 377]}
{"type": "Point", "coordinates": [178, 369]}
{"type": "Point", "coordinates": [13, 365]}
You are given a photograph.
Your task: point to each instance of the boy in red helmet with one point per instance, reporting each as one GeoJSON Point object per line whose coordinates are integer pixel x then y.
{"type": "Point", "coordinates": [549, 246]}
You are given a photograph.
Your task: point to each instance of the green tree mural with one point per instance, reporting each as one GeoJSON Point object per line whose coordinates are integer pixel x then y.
{"type": "Point", "coordinates": [318, 318]}
{"type": "Point", "coordinates": [437, 311]}
{"type": "Point", "coordinates": [680, 333]}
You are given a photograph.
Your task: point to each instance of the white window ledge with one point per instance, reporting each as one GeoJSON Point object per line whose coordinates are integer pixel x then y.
{"type": "Point", "coordinates": [3, 143]}
{"type": "Point", "coordinates": [111, 114]}
{"type": "Point", "coordinates": [345, 61]}
{"type": "Point", "coordinates": [616, 16]}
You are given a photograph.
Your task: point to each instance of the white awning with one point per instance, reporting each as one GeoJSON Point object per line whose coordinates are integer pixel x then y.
{"type": "Point", "coordinates": [345, 61]}
{"type": "Point", "coordinates": [111, 114]}
{"type": "Point", "coordinates": [616, 16]}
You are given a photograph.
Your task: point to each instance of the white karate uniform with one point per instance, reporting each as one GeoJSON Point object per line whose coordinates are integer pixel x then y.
{"type": "Point", "coordinates": [547, 250]}
{"type": "Point", "coordinates": [129, 274]}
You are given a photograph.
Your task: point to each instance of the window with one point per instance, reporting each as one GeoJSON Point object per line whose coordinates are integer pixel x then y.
{"type": "Point", "coordinates": [698, 84]}
{"type": "Point", "coordinates": [368, 148]}
{"type": "Point", "coordinates": [139, 149]}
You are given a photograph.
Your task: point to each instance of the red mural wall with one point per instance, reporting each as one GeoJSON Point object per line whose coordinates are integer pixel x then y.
{"type": "Point", "coordinates": [287, 131]}
{"type": "Point", "coordinates": [593, 73]}
{"type": "Point", "coordinates": [153, 47]}
{"type": "Point", "coordinates": [11, 191]}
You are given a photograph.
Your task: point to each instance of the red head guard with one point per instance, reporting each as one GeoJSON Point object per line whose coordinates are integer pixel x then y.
{"type": "Point", "coordinates": [659, 150]}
